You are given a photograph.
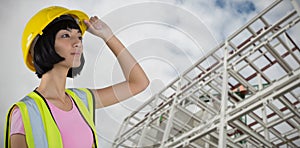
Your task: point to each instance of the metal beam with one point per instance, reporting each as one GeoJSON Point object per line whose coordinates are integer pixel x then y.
{"type": "Point", "coordinates": [292, 108]}
{"type": "Point", "coordinates": [249, 131]}
{"type": "Point", "coordinates": [257, 99]}
{"type": "Point", "coordinates": [223, 119]}
{"type": "Point", "coordinates": [171, 116]}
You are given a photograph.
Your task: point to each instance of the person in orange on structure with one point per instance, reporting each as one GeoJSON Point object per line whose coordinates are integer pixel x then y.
{"type": "Point", "coordinates": [51, 115]}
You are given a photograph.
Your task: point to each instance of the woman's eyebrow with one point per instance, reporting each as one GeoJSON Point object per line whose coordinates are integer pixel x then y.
{"type": "Point", "coordinates": [70, 30]}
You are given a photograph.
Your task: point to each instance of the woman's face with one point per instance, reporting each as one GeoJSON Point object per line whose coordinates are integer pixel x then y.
{"type": "Point", "coordinates": [68, 44]}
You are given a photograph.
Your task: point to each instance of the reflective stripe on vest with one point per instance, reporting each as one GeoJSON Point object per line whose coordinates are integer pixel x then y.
{"type": "Point", "coordinates": [39, 124]}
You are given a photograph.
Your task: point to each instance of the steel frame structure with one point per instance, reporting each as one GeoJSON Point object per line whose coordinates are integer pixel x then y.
{"type": "Point", "coordinates": [241, 94]}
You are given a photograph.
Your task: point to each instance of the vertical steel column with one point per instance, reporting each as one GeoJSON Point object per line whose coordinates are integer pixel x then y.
{"type": "Point", "coordinates": [148, 121]}
{"type": "Point", "coordinates": [171, 116]}
{"type": "Point", "coordinates": [223, 120]}
{"type": "Point", "coordinates": [141, 140]}
{"type": "Point", "coordinates": [263, 110]}
{"type": "Point", "coordinates": [121, 130]}
{"type": "Point", "coordinates": [206, 143]}
{"type": "Point", "coordinates": [265, 121]}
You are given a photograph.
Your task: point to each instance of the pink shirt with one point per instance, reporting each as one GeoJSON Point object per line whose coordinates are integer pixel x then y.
{"type": "Point", "coordinates": [74, 130]}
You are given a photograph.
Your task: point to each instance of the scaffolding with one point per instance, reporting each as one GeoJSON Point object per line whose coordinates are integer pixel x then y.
{"type": "Point", "coordinates": [241, 94]}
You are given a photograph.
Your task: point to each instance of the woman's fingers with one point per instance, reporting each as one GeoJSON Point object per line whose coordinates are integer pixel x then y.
{"type": "Point", "coordinates": [94, 19]}
{"type": "Point", "coordinates": [97, 27]}
{"type": "Point", "coordinates": [87, 23]}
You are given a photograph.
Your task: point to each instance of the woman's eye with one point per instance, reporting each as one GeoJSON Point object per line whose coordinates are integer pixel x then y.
{"type": "Point", "coordinates": [65, 36]}
{"type": "Point", "coordinates": [80, 38]}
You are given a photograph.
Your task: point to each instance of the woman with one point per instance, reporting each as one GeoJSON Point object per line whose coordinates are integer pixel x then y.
{"type": "Point", "coordinates": [51, 115]}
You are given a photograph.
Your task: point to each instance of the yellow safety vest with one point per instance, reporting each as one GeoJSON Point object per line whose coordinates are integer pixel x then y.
{"type": "Point", "coordinates": [40, 127]}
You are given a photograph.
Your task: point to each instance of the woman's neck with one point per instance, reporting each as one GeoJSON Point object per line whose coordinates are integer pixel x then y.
{"type": "Point", "coordinates": [53, 83]}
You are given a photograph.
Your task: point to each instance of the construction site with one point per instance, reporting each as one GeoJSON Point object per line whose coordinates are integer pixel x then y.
{"type": "Point", "coordinates": [243, 93]}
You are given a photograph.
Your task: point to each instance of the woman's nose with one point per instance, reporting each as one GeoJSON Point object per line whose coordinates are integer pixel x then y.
{"type": "Point", "coordinates": [77, 42]}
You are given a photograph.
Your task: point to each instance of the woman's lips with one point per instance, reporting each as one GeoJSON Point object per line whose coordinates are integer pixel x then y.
{"type": "Point", "coordinates": [76, 53]}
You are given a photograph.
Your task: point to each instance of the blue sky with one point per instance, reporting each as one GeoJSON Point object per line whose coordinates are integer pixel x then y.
{"type": "Point", "coordinates": [165, 37]}
{"type": "Point", "coordinates": [240, 7]}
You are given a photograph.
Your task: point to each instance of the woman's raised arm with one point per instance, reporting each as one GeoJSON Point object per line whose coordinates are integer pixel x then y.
{"type": "Point", "coordinates": [135, 78]}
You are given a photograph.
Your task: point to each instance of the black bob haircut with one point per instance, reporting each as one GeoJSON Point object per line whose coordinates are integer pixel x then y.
{"type": "Point", "coordinates": [45, 56]}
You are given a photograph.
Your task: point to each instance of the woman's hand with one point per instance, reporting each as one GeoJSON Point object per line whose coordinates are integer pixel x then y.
{"type": "Point", "coordinates": [98, 28]}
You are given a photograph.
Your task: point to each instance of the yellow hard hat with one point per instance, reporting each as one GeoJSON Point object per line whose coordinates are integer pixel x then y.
{"type": "Point", "coordinates": [39, 21]}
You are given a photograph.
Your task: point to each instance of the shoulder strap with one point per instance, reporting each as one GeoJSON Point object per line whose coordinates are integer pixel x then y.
{"type": "Point", "coordinates": [39, 125]}
{"type": "Point", "coordinates": [82, 97]}
{"type": "Point", "coordinates": [87, 97]}
{"type": "Point", "coordinates": [51, 130]}
{"type": "Point", "coordinates": [30, 138]}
